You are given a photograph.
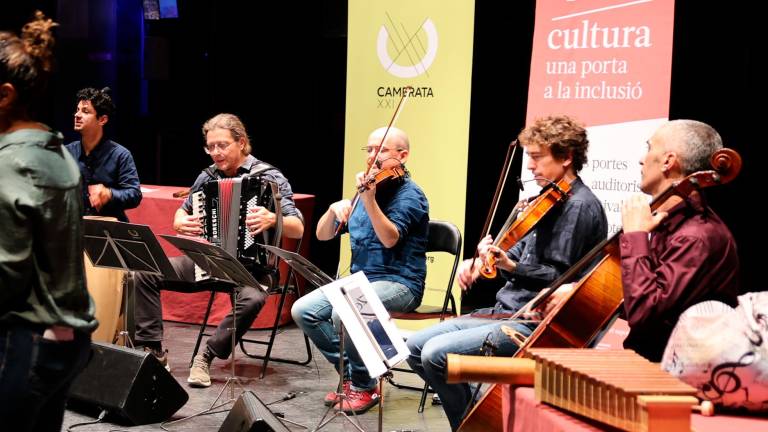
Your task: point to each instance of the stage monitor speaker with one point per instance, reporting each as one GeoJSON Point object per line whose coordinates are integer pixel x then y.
{"type": "Point", "coordinates": [251, 415]}
{"type": "Point", "coordinates": [131, 385]}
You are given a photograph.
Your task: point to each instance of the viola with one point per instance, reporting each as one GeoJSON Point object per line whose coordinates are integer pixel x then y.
{"type": "Point", "coordinates": [520, 224]}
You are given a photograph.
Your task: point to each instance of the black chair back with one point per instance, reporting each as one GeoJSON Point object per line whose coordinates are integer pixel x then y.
{"type": "Point", "coordinates": [444, 237]}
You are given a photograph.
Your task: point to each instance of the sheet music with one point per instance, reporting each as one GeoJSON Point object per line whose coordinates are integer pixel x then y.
{"type": "Point", "coordinates": [367, 322]}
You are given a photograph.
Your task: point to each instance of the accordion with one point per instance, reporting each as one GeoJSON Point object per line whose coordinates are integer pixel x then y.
{"type": "Point", "coordinates": [223, 205]}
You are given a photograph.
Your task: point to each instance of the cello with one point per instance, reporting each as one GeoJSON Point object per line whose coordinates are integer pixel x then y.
{"type": "Point", "coordinates": [597, 297]}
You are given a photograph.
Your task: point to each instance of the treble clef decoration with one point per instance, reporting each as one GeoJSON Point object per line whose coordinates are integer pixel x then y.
{"type": "Point", "coordinates": [725, 379]}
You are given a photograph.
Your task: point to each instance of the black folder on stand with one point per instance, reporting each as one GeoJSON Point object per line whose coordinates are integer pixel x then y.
{"type": "Point", "coordinates": [302, 266]}
{"type": "Point", "coordinates": [125, 246]}
{"type": "Point", "coordinates": [220, 265]}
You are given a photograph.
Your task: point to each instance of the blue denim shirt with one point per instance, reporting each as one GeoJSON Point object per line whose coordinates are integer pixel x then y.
{"type": "Point", "coordinates": [406, 262]}
{"type": "Point", "coordinates": [112, 165]}
{"type": "Point", "coordinates": [556, 243]}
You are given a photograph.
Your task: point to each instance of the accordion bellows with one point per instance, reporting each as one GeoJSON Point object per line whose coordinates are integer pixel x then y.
{"type": "Point", "coordinates": [223, 205]}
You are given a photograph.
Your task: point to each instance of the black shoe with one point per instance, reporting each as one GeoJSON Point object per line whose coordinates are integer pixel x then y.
{"type": "Point", "coordinates": [161, 356]}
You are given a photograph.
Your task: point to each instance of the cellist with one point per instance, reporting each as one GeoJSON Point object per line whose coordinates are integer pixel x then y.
{"type": "Point", "coordinates": [388, 235]}
{"type": "Point", "coordinates": [557, 149]}
{"type": "Point", "coordinates": [683, 253]}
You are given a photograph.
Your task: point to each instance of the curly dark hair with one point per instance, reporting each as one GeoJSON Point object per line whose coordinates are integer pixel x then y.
{"type": "Point", "coordinates": [562, 135]}
{"type": "Point", "coordinates": [100, 99]}
{"type": "Point", "coordinates": [26, 61]}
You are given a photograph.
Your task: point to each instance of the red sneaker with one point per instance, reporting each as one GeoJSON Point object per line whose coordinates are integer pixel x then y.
{"type": "Point", "coordinates": [359, 402]}
{"type": "Point", "coordinates": [330, 398]}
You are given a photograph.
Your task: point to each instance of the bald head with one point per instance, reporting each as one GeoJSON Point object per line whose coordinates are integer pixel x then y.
{"type": "Point", "coordinates": [396, 138]}
{"type": "Point", "coordinates": [693, 141]}
{"type": "Point", "coordinates": [394, 151]}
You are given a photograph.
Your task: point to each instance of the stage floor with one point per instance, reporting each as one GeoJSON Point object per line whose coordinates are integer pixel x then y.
{"type": "Point", "coordinates": [310, 383]}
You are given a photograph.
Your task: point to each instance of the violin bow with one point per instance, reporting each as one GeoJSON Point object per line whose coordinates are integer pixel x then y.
{"type": "Point", "coordinates": [511, 151]}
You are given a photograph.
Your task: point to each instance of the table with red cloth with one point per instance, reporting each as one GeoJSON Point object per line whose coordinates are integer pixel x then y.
{"type": "Point", "coordinates": [157, 210]}
{"type": "Point", "coordinates": [531, 416]}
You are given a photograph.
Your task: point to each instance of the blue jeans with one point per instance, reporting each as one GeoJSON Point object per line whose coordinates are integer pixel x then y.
{"type": "Point", "coordinates": [315, 316]}
{"type": "Point", "coordinates": [464, 335]}
{"type": "Point", "coordinates": [35, 376]}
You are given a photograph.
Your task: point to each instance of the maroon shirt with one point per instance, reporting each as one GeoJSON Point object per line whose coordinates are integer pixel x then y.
{"type": "Point", "coordinates": [690, 258]}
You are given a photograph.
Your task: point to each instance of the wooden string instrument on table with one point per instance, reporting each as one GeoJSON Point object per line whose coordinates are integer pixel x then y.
{"type": "Point", "coordinates": [596, 298]}
{"type": "Point", "coordinates": [616, 387]}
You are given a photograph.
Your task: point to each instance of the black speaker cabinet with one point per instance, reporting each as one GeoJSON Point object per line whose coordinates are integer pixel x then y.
{"type": "Point", "coordinates": [251, 415]}
{"type": "Point", "coordinates": [131, 385]}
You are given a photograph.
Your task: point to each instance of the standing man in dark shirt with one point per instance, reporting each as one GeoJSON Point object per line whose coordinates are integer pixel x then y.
{"type": "Point", "coordinates": [557, 149]}
{"type": "Point", "coordinates": [46, 314]}
{"type": "Point", "coordinates": [681, 255]}
{"type": "Point", "coordinates": [110, 180]}
{"type": "Point", "coordinates": [227, 142]}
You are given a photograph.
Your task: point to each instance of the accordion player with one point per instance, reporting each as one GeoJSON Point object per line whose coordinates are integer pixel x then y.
{"type": "Point", "coordinates": [227, 143]}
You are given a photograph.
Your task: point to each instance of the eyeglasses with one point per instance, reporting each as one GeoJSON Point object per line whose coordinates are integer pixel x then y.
{"type": "Point", "coordinates": [221, 145]}
{"type": "Point", "coordinates": [373, 149]}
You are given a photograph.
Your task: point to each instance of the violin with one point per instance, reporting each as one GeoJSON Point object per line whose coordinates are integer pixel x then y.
{"type": "Point", "coordinates": [520, 224]}
{"type": "Point", "coordinates": [385, 176]}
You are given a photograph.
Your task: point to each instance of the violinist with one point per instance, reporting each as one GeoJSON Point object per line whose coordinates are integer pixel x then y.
{"type": "Point", "coordinates": [683, 253]}
{"type": "Point", "coordinates": [557, 149]}
{"type": "Point", "coordinates": [388, 236]}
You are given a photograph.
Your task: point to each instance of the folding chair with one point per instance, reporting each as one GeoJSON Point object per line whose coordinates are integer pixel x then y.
{"type": "Point", "coordinates": [443, 237]}
{"type": "Point", "coordinates": [286, 289]}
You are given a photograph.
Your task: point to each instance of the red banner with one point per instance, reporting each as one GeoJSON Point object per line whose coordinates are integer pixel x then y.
{"type": "Point", "coordinates": [607, 64]}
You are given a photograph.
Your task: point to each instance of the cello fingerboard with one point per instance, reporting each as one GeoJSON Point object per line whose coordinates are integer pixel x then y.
{"type": "Point", "coordinates": [615, 387]}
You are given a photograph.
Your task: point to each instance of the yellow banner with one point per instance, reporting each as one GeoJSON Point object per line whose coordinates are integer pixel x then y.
{"type": "Point", "coordinates": [426, 45]}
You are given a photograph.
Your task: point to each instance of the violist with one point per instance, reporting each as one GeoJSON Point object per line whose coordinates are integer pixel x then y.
{"type": "Point", "coordinates": [557, 149]}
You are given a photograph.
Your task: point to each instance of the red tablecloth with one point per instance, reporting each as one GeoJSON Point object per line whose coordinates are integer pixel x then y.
{"type": "Point", "coordinates": [530, 416]}
{"type": "Point", "coordinates": [157, 210]}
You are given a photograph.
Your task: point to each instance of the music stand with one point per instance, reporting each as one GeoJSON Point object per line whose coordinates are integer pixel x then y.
{"type": "Point", "coordinates": [125, 246]}
{"type": "Point", "coordinates": [218, 263]}
{"type": "Point", "coordinates": [319, 278]}
{"type": "Point", "coordinates": [370, 327]}
{"type": "Point", "coordinates": [371, 330]}
{"type": "Point", "coordinates": [301, 265]}
{"type": "Point", "coordinates": [223, 268]}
